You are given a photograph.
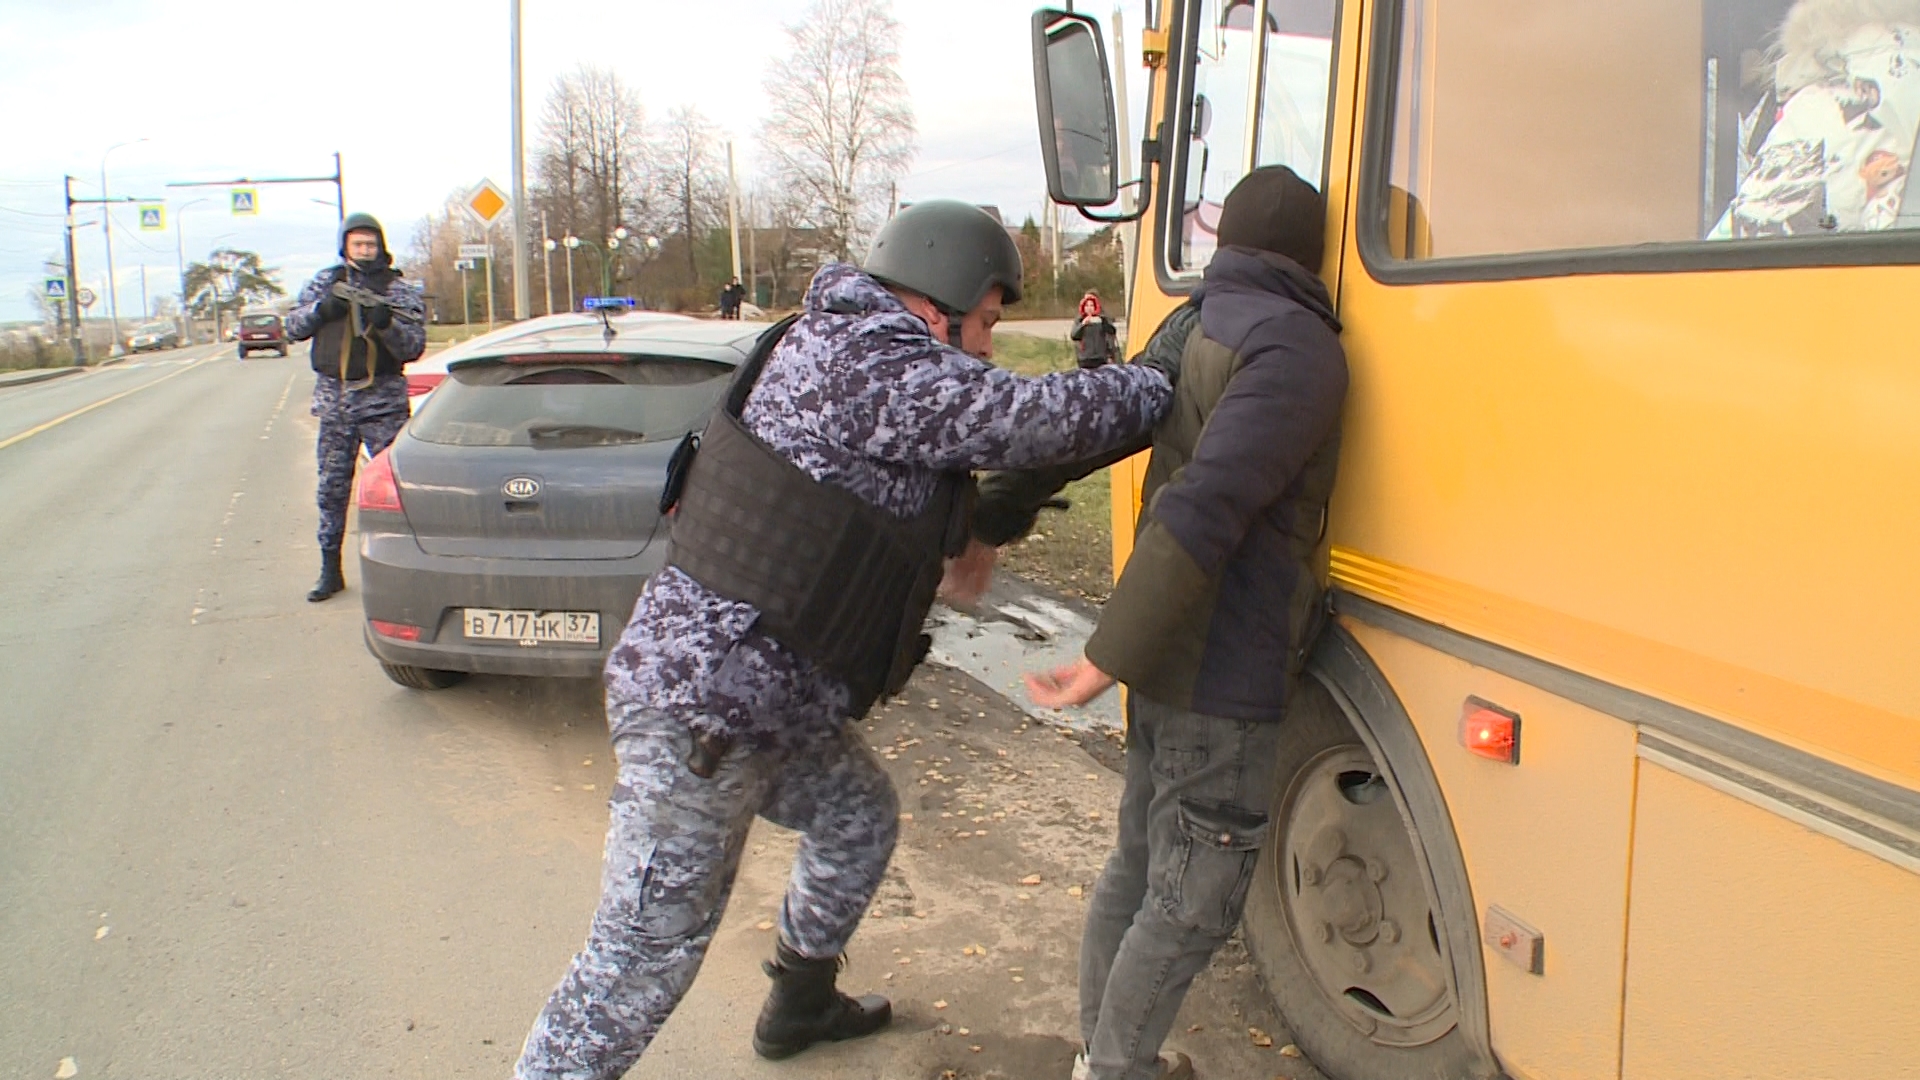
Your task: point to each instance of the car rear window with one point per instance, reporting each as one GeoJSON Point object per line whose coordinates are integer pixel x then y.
{"type": "Point", "coordinates": [558, 403]}
{"type": "Point", "coordinates": [260, 322]}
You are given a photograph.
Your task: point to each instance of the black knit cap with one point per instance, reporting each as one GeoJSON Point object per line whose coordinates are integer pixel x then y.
{"type": "Point", "coordinates": [1274, 210]}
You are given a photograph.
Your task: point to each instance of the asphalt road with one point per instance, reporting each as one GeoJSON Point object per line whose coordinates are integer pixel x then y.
{"type": "Point", "coordinates": [230, 848]}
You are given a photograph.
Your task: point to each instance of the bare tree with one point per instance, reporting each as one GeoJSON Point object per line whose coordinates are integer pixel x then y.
{"type": "Point", "coordinates": [841, 128]}
{"type": "Point", "coordinates": [590, 172]}
{"type": "Point", "coordinates": [691, 178]}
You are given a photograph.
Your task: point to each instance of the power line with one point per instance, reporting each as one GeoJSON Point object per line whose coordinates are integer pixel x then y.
{"type": "Point", "coordinates": [32, 213]}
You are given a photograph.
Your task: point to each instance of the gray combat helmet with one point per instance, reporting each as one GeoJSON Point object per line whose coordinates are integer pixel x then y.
{"type": "Point", "coordinates": [949, 252]}
{"type": "Point", "coordinates": [362, 222]}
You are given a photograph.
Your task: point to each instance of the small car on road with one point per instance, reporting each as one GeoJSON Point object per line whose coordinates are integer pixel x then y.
{"type": "Point", "coordinates": [261, 331]}
{"type": "Point", "coordinates": [153, 336]}
{"type": "Point", "coordinates": [510, 526]}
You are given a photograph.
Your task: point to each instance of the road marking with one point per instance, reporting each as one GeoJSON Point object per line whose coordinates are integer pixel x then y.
{"type": "Point", "coordinates": [84, 409]}
{"type": "Point", "coordinates": [281, 404]}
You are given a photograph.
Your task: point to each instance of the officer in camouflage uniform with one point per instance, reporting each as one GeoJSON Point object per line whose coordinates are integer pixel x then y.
{"type": "Point", "coordinates": [879, 390]}
{"type": "Point", "coordinates": [361, 343]}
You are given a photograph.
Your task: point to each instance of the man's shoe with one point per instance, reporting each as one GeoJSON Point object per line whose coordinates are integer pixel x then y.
{"type": "Point", "coordinates": [331, 579]}
{"type": "Point", "coordinates": [1173, 1066]}
{"type": "Point", "coordinates": [804, 1007]}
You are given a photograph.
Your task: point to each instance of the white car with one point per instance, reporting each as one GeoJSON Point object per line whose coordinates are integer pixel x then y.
{"type": "Point", "coordinates": [428, 372]}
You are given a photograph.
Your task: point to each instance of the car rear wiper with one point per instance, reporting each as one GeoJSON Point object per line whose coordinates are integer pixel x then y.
{"type": "Point", "coordinates": [583, 434]}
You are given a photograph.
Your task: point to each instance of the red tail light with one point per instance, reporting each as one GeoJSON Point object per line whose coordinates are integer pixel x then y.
{"type": "Point", "coordinates": [397, 630]}
{"type": "Point", "coordinates": [1490, 731]}
{"type": "Point", "coordinates": [423, 382]}
{"type": "Point", "coordinates": [378, 488]}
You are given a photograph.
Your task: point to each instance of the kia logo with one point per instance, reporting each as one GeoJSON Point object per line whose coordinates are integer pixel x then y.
{"type": "Point", "coordinates": [520, 487]}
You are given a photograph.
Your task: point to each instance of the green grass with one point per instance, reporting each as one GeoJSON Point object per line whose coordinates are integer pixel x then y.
{"type": "Point", "coordinates": [1071, 550]}
{"type": "Point", "coordinates": [1031, 355]}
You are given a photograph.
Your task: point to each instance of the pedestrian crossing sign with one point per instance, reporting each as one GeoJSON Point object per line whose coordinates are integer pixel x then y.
{"type": "Point", "coordinates": [56, 288]}
{"type": "Point", "coordinates": [246, 202]}
{"type": "Point", "coordinates": [153, 217]}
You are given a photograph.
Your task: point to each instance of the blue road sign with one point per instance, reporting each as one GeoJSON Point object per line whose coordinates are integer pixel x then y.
{"type": "Point", "coordinates": [594, 303]}
{"type": "Point", "coordinates": [56, 288]}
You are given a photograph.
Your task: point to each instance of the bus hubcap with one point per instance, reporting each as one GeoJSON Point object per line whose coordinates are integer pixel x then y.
{"type": "Point", "coordinates": [1356, 902]}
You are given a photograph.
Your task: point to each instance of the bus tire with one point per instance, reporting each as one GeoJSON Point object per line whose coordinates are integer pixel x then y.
{"type": "Point", "coordinates": [1341, 920]}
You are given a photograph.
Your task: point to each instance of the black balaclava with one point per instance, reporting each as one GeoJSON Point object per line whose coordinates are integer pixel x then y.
{"type": "Point", "coordinates": [1274, 210]}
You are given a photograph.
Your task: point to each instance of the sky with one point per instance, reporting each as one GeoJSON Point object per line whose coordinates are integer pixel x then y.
{"type": "Point", "coordinates": [415, 96]}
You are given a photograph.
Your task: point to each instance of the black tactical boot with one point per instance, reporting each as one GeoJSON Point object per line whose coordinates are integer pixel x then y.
{"type": "Point", "coordinates": [805, 1008]}
{"type": "Point", "coordinates": [331, 580]}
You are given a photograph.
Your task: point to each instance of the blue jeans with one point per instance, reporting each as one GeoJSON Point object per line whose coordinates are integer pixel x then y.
{"type": "Point", "coordinates": [1193, 819]}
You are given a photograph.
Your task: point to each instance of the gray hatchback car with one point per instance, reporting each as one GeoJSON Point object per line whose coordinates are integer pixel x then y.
{"type": "Point", "coordinates": [511, 525]}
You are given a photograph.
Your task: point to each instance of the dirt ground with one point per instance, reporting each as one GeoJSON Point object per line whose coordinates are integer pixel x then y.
{"type": "Point", "coordinates": [975, 934]}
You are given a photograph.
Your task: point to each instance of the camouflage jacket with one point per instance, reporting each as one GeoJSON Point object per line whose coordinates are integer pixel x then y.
{"type": "Point", "coordinates": [861, 396]}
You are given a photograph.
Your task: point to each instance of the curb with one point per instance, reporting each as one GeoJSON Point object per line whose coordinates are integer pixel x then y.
{"type": "Point", "coordinates": [40, 375]}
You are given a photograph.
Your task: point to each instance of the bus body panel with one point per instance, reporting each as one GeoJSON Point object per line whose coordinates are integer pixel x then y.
{"type": "Point", "coordinates": [1686, 484]}
{"type": "Point", "coordinates": [1546, 840]}
{"type": "Point", "coordinates": [1761, 949]}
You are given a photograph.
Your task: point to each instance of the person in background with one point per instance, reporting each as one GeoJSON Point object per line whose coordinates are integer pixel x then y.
{"type": "Point", "coordinates": [1093, 333]}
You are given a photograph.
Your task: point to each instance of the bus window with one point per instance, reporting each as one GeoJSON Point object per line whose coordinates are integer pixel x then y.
{"type": "Point", "coordinates": [1288, 86]}
{"type": "Point", "coordinates": [1568, 125]}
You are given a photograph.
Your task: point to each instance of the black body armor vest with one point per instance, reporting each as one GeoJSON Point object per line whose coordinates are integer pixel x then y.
{"type": "Point", "coordinates": [338, 350]}
{"type": "Point", "coordinates": [838, 580]}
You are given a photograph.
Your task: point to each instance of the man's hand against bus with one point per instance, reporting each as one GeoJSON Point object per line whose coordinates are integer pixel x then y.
{"type": "Point", "coordinates": [1072, 684]}
{"type": "Point", "coordinates": [968, 576]}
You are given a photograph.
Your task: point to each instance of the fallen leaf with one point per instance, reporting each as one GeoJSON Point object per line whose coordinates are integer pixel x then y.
{"type": "Point", "coordinates": [905, 960]}
{"type": "Point", "coordinates": [1030, 879]}
{"type": "Point", "coordinates": [100, 933]}
{"type": "Point", "coordinates": [67, 1070]}
{"type": "Point", "coordinates": [559, 787]}
{"type": "Point", "coordinates": [1093, 815]}
{"type": "Point", "coordinates": [587, 762]}
{"type": "Point", "coordinates": [919, 914]}
{"type": "Point", "coordinates": [586, 787]}
{"type": "Point", "coordinates": [1093, 776]}
{"type": "Point", "coordinates": [1289, 1050]}
{"type": "Point", "coordinates": [1019, 978]}
{"type": "Point", "coordinates": [939, 1004]}
{"type": "Point", "coordinates": [1023, 896]}
{"type": "Point", "coordinates": [975, 1049]}
{"type": "Point", "coordinates": [1260, 1038]}
{"type": "Point", "coordinates": [906, 817]}
{"type": "Point", "coordinates": [945, 1029]}
{"type": "Point", "coordinates": [966, 1031]}
{"type": "Point", "coordinates": [1074, 890]}
{"type": "Point", "coordinates": [764, 924]}
{"type": "Point", "coordinates": [1196, 1028]}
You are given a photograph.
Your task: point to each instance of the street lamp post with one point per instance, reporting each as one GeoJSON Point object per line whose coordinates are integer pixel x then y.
{"type": "Point", "coordinates": [180, 256]}
{"type": "Point", "coordinates": [106, 228]}
{"type": "Point", "coordinates": [570, 242]}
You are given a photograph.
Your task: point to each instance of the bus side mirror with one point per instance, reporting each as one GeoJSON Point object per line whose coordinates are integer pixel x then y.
{"type": "Point", "coordinates": [1073, 88]}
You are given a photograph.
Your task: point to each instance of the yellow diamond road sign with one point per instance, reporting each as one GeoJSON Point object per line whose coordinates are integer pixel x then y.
{"type": "Point", "coordinates": [486, 202]}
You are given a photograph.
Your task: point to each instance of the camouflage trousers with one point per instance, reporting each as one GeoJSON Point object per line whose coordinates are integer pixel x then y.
{"type": "Point", "coordinates": [341, 436]}
{"type": "Point", "coordinates": [673, 847]}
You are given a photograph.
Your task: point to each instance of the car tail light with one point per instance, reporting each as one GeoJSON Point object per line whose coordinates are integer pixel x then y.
{"type": "Point", "coordinates": [400, 631]}
{"type": "Point", "coordinates": [379, 490]}
{"type": "Point", "coordinates": [423, 382]}
{"type": "Point", "coordinates": [1491, 732]}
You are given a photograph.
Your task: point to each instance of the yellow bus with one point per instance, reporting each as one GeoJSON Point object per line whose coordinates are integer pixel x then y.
{"type": "Point", "coordinates": [1609, 761]}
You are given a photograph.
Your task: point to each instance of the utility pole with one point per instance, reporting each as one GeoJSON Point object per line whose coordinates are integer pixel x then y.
{"type": "Point", "coordinates": [521, 286]}
{"type": "Point", "coordinates": [733, 213]}
{"type": "Point", "coordinates": [753, 252]}
{"type": "Point", "coordinates": [73, 287]}
{"type": "Point", "coordinates": [546, 261]}
{"type": "Point", "coordinates": [106, 229]}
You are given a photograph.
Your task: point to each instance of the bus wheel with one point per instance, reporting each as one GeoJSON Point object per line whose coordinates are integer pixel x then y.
{"type": "Point", "coordinates": [1340, 919]}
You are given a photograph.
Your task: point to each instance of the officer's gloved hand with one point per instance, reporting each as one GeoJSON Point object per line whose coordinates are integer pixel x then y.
{"type": "Point", "coordinates": [378, 316]}
{"type": "Point", "coordinates": [331, 308]}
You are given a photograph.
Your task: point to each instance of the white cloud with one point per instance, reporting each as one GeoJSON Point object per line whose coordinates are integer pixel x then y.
{"type": "Point", "coordinates": [414, 95]}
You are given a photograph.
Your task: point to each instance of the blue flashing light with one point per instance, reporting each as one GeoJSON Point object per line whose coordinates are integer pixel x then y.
{"type": "Point", "coordinates": [595, 303]}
